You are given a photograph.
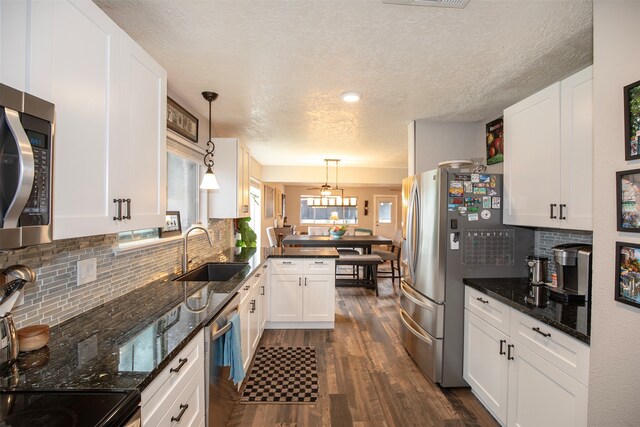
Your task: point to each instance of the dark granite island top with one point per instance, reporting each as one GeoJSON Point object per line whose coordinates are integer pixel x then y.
{"type": "Point", "coordinates": [126, 342]}
{"type": "Point", "coordinates": [572, 319]}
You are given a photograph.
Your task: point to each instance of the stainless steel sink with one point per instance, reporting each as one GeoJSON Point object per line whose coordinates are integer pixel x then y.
{"type": "Point", "coordinates": [212, 272]}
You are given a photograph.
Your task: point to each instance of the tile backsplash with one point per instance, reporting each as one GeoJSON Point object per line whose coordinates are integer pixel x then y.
{"type": "Point", "coordinates": [56, 296]}
{"type": "Point", "coordinates": [547, 238]}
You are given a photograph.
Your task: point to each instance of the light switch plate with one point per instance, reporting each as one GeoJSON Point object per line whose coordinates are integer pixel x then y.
{"type": "Point", "coordinates": [87, 271]}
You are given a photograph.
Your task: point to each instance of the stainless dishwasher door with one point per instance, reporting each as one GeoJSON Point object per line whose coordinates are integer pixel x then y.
{"type": "Point", "coordinates": [221, 392]}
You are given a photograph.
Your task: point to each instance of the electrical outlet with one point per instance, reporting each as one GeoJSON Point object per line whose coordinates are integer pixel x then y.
{"type": "Point", "coordinates": [87, 271]}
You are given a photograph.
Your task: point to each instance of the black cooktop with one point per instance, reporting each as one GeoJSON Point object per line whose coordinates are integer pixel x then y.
{"type": "Point", "coordinates": [37, 408]}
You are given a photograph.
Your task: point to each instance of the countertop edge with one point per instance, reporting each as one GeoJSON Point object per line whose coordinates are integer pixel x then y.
{"type": "Point", "coordinates": [523, 309]}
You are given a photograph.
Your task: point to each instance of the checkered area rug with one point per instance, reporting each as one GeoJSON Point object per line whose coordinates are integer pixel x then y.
{"type": "Point", "coordinates": [282, 375]}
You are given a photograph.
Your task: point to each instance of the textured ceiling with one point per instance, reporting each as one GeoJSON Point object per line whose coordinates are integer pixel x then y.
{"type": "Point", "coordinates": [280, 66]}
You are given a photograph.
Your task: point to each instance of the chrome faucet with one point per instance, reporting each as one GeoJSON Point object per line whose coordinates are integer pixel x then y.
{"type": "Point", "coordinates": [185, 251]}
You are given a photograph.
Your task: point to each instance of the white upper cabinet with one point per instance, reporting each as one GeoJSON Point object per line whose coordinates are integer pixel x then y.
{"type": "Point", "coordinates": [13, 43]}
{"type": "Point", "coordinates": [232, 172]}
{"type": "Point", "coordinates": [548, 166]}
{"type": "Point", "coordinates": [110, 99]}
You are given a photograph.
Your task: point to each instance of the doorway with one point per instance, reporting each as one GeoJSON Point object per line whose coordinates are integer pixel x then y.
{"type": "Point", "coordinates": [385, 215]}
{"type": "Point", "coordinates": [254, 210]}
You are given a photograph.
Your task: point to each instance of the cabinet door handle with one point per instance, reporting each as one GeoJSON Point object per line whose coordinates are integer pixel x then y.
{"type": "Point", "coordinates": [502, 342]}
{"type": "Point", "coordinates": [180, 365]}
{"type": "Point", "coordinates": [245, 208]}
{"type": "Point", "coordinates": [128, 202]}
{"type": "Point", "coordinates": [118, 216]}
{"type": "Point", "coordinates": [299, 281]}
{"type": "Point", "coordinates": [183, 408]}
{"type": "Point", "coordinates": [246, 288]}
{"type": "Point", "coordinates": [552, 207]}
{"type": "Point", "coordinates": [509, 347]}
{"type": "Point", "coordinates": [261, 290]}
{"type": "Point", "coordinates": [544, 334]}
{"type": "Point", "coordinates": [264, 266]}
{"type": "Point", "coordinates": [561, 214]}
{"type": "Point", "coordinates": [305, 281]}
{"type": "Point", "coordinates": [253, 306]}
{"type": "Point", "coordinates": [257, 274]}
{"type": "Point", "coordinates": [484, 301]}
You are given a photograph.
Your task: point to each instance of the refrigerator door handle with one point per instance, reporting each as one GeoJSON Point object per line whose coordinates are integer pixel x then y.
{"type": "Point", "coordinates": [415, 298]}
{"type": "Point", "coordinates": [404, 317]}
{"type": "Point", "coordinates": [413, 229]}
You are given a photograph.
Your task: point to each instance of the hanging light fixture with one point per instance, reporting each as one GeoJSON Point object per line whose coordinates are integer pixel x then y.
{"type": "Point", "coordinates": [325, 189]}
{"type": "Point", "coordinates": [209, 181]}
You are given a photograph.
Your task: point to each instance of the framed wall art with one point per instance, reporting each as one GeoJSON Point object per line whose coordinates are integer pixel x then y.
{"type": "Point", "coordinates": [172, 226]}
{"type": "Point", "coordinates": [632, 120]}
{"type": "Point", "coordinates": [627, 288]}
{"type": "Point", "coordinates": [269, 195]}
{"type": "Point", "coordinates": [181, 121]}
{"type": "Point", "coordinates": [628, 200]}
{"type": "Point", "coordinates": [495, 142]}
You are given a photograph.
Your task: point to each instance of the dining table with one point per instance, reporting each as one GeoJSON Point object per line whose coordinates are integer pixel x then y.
{"type": "Point", "coordinates": [346, 241]}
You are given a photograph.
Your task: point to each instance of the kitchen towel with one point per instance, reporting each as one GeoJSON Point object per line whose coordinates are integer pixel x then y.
{"type": "Point", "coordinates": [233, 351]}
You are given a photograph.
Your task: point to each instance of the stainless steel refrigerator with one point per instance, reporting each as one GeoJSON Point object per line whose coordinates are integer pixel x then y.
{"type": "Point", "coordinates": [453, 229]}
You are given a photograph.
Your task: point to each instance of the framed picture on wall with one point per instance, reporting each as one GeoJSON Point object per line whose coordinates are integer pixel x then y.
{"type": "Point", "coordinates": [495, 141]}
{"type": "Point", "coordinates": [172, 226]}
{"type": "Point", "coordinates": [632, 120]}
{"type": "Point", "coordinates": [627, 287]}
{"type": "Point", "coordinates": [268, 201]}
{"type": "Point", "coordinates": [628, 200]}
{"type": "Point", "coordinates": [181, 121]}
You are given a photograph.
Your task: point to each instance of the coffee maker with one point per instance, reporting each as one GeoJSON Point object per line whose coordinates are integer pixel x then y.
{"type": "Point", "coordinates": [573, 268]}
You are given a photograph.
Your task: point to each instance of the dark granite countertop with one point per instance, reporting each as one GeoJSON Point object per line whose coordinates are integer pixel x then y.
{"type": "Point", "coordinates": [292, 252]}
{"type": "Point", "coordinates": [572, 319]}
{"type": "Point", "coordinates": [126, 342]}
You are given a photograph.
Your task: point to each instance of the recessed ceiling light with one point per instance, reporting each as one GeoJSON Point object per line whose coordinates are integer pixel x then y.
{"type": "Point", "coordinates": [351, 96]}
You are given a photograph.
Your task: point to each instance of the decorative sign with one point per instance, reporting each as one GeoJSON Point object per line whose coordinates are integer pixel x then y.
{"type": "Point", "coordinates": [181, 121]}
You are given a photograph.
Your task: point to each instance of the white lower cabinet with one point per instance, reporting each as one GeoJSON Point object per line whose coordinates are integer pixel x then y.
{"type": "Point", "coordinates": [525, 380]}
{"type": "Point", "coordinates": [252, 311]}
{"type": "Point", "coordinates": [302, 293]}
{"type": "Point", "coordinates": [176, 396]}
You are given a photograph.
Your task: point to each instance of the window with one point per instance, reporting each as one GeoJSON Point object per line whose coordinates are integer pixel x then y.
{"type": "Point", "coordinates": [183, 188]}
{"type": "Point", "coordinates": [321, 214]}
{"type": "Point", "coordinates": [183, 193]}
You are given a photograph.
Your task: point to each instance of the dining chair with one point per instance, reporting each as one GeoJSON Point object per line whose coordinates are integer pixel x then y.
{"type": "Point", "coordinates": [318, 231]}
{"type": "Point", "coordinates": [394, 257]}
{"type": "Point", "coordinates": [271, 235]}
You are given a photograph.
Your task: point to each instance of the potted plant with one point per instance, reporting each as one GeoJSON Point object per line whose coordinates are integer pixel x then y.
{"type": "Point", "coordinates": [248, 238]}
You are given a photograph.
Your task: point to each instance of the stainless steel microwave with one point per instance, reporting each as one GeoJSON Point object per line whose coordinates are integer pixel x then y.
{"type": "Point", "coordinates": [26, 143]}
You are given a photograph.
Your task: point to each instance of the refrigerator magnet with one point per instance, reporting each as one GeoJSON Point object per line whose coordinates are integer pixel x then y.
{"type": "Point", "coordinates": [481, 190]}
{"type": "Point", "coordinates": [485, 214]}
{"type": "Point", "coordinates": [485, 179]}
{"type": "Point", "coordinates": [452, 207]}
{"type": "Point", "coordinates": [462, 210]}
{"type": "Point", "coordinates": [468, 187]}
{"type": "Point", "coordinates": [486, 202]}
{"type": "Point", "coordinates": [492, 192]}
{"type": "Point", "coordinates": [495, 203]}
{"type": "Point", "coordinates": [473, 217]}
{"type": "Point", "coordinates": [455, 189]}
{"type": "Point", "coordinates": [475, 177]}
{"type": "Point", "coordinates": [492, 183]}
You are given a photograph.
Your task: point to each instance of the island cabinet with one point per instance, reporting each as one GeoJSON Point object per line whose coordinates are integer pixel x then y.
{"type": "Point", "coordinates": [109, 165]}
{"type": "Point", "coordinates": [525, 372]}
{"type": "Point", "coordinates": [548, 156]}
{"type": "Point", "coordinates": [302, 293]}
{"type": "Point", "coordinates": [176, 396]}
{"type": "Point", "coordinates": [232, 160]}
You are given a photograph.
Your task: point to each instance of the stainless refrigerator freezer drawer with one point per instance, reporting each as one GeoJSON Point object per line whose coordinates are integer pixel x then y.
{"type": "Point", "coordinates": [426, 313]}
{"type": "Point", "coordinates": [425, 350]}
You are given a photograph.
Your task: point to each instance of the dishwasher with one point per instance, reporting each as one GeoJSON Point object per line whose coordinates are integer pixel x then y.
{"type": "Point", "coordinates": [220, 393]}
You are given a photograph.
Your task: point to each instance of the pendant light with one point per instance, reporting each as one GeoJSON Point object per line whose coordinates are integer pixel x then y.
{"type": "Point", "coordinates": [209, 181]}
{"type": "Point", "coordinates": [325, 189]}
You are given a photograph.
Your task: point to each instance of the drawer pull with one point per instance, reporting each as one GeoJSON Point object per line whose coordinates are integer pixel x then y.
{"type": "Point", "coordinates": [509, 347]}
{"type": "Point", "coordinates": [180, 365]}
{"type": "Point", "coordinates": [544, 334]}
{"type": "Point", "coordinates": [246, 288]}
{"type": "Point", "coordinates": [261, 290]}
{"type": "Point", "coordinates": [258, 275]}
{"type": "Point", "coordinates": [264, 266]}
{"type": "Point", "coordinates": [502, 342]}
{"type": "Point", "coordinates": [183, 408]}
{"type": "Point", "coordinates": [286, 262]}
{"type": "Point", "coordinates": [319, 262]}
{"type": "Point", "coordinates": [253, 306]}
{"type": "Point", "coordinates": [484, 301]}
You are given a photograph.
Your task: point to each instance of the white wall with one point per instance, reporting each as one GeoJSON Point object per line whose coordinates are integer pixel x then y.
{"type": "Point", "coordinates": [346, 175]}
{"type": "Point", "coordinates": [439, 141]}
{"type": "Point", "coordinates": [614, 381]}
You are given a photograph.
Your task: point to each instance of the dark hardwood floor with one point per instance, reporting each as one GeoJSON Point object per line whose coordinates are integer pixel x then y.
{"type": "Point", "coordinates": [366, 377]}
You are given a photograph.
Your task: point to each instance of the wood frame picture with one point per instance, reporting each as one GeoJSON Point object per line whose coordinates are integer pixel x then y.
{"type": "Point", "coordinates": [181, 121]}
{"type": "Point", "coordinates": [269, 195]}
{"type": "Point", "coordinates": [628, 200]}
{"type": "Point", "coordinates": [172, 226]}
{"type": "Point", "coordinates": [495, 141]}
{"type": "Point", "coordinates": [627, 287]}
{"type": "Point", "coordinates": [632, 121]}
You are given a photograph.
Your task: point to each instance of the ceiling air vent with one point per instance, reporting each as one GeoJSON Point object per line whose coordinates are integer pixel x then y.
{"type": "Point", "coordinates": [457, 4]}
